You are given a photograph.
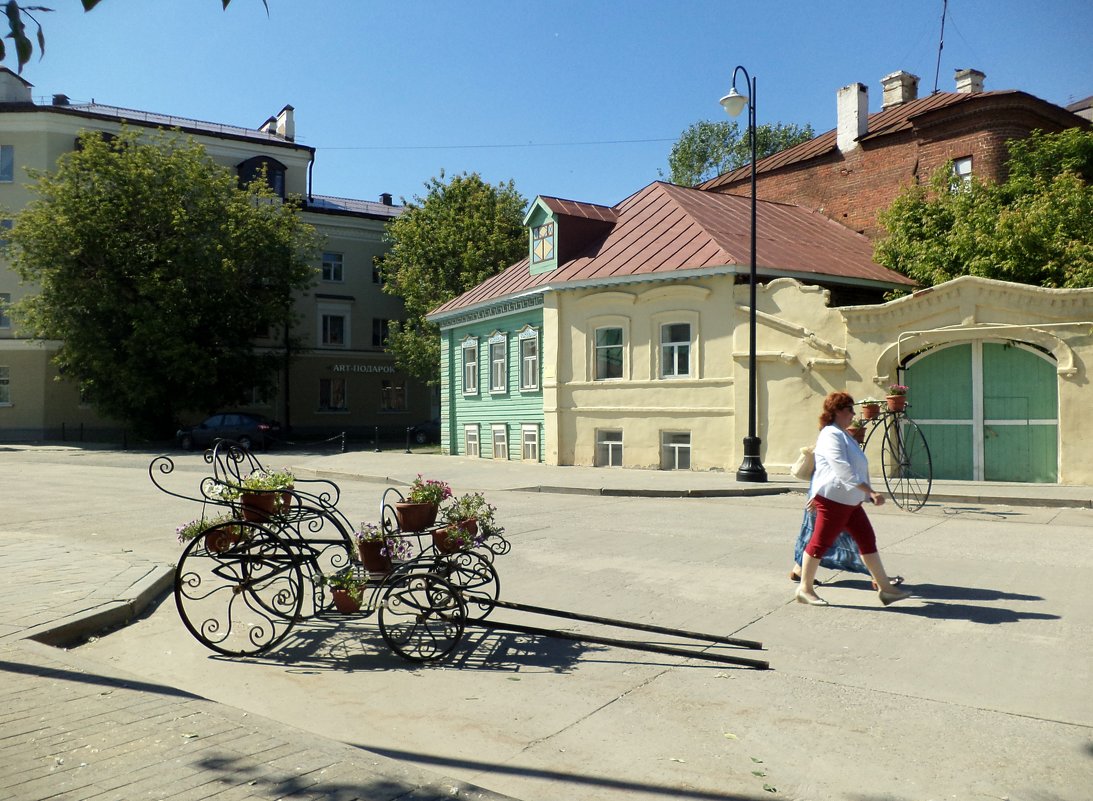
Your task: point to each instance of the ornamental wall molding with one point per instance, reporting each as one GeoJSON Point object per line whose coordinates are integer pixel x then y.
{"type": "Point", "coordinates": [806, 335]}
{"type": "Point", "coordinates": [499, 309]}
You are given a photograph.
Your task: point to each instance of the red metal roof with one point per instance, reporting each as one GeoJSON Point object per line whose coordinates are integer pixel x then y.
{"type": "Point", "coordinates": [574, 208]}
{"type": "Point", "coordinates": [665, 228]}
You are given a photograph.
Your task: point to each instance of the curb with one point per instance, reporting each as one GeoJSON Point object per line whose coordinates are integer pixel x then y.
{"type": "Point", "coordinates": [108, 615]}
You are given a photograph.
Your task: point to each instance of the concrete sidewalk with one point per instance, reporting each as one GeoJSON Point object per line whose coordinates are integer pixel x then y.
{"type": "Point", "coordinates": [71, 728]}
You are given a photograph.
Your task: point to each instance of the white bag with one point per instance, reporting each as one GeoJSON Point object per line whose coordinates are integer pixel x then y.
{"type": "Point", "coordinates": [805, 464]}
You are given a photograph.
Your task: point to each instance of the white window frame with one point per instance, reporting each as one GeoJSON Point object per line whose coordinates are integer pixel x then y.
{"type": "Point", "coordinates": [670, 351]}
{"type": "Point", "coordinates": [499, 439]}
{"type": "Point", "coordinates": [332, 269]}
{"type": "Point", "coordinates": [596, 348]}
{"type": "Point", "coordinates": [327, 310]}
{"type": "Point", "coordinates": [529, 442]}
{"type": "Point", "coordinates": [5, 385]}
{"type": "Point", "coordinates": [672, 451]}
{"type": "Point", "coordinates": [332, 394]}
{"type": "Point", "coordinates": [7, 164]}
{"type": "Point", "coordinates": [499, 363]}
{"type": "Point", "coordinates": [469, 367]}
{"type": "Point", "coordinates": [470, 440]}
{"type": "Point", "coordinates": [529, 362]}
{"type": "Point", "coordinates": [609, 447]}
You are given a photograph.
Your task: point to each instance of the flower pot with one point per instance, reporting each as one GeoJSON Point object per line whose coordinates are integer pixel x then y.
{"type": "Point", "coordinates": [258, 506]}
{"type": "Point", "coordinates": [870, 411]}
{"type": "Point", "coordinates": [345, 602]}
{"type": "Point", "coordinates": [446, 544]}
{"type": "Point", "coordinates": [373, 556]}
{"type": "Point", "coordinates": [415, 516]}
{"type": "Point", "coordinates": [896, 403]}
{"type": "Point", "coordinates": [858, 434]}
{"type": "Point", "coordinates": [286, 499]}
{"type": "Point", "coordinates": [218, 540]}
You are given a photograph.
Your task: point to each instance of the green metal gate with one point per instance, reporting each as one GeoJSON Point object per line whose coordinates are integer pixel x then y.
{"type": "Point", "coordinates": [989, 411]}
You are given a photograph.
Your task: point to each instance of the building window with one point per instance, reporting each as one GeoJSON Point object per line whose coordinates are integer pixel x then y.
{"type": "Point", "coordinates": [332, 395]}
{"type": "Point", "coordinates": [675, 350]}
{"type": "Point", "coordinates": [5, 386]}
{"type": "Point", "coordinates": [7, 163]}
{"type": "Point", "coordinates": [274, 171]}
{"type": "Point", "coordinates": [470, 438]}
{"type": "Point", "coordinates": [542, 243]}
{"type": "Point", "coordinates": [499, 364]}
{"type": "Point", "coordinates": [529, 360]}
{"type": "Point", "coordinates": [377, 278]}
{"type": "Point", "coordinates": [529, 440]}
{"type": "Point", "coordinates": [5, 226]}
{"type": "Point", "coordinates": [675, 450]}
{"type": "Point", "coordinates": [5, 302]}
{"type": "Point", "coordinates": [393, 395]}
{"type": "Point", "coordinates": [608, 353]}
{"type": "Point", "coordinates": [962, 168]}
{"type": "Point", "coordinates": [332, 266]}
{"type": "Point", "coordinates": [470, 367]}
{"type": "Point", "coordinates": [381, 329]}
{"type": "Point", "coordinates": [500, 441]}
{"type": "Point", "coordinates": [333, 330]}
{"type": "Point", "coordinates": [608, 448]}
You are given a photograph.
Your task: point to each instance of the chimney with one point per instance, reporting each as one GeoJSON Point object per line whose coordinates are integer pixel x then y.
{"type": "Point", "coordinates": [286, 124]}
{"type": "Point", "coordinates": [269, 126]}
{"type": "Point", "coordinates": [969, 82]}
{"type": "Point", "coordinates": [385, 199]}
{"type": "Point", "coordinates": [60, 100]}
{"type": "Point", "coordinates": [899, 87]}
{"type": "Point", "coordinates": [853, 115]}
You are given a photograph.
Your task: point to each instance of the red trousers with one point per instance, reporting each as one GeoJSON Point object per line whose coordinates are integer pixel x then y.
{"type": "Point", "coordinates": [832, 518]}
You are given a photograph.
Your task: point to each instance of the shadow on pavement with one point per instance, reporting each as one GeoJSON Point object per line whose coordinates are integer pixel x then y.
{"type": "Point", "coordinates": [944, 592]}
{"type": "Point", "coordinates": [87, 678]}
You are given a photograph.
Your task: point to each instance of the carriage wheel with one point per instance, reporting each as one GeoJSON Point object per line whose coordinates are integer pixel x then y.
{"type": "Point", "coordinates": [906, 464]}
{"type": "Point", "coordinates": [475, 577]}
{"type": "Point", "coordinates": [238, 589]}
{"type": "Point", "coordinates": [421, 616]}
{"type": "Point", "coordinates": [326, 549]}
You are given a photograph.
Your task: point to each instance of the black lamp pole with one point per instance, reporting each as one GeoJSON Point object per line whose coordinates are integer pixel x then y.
{"type": "Point", "coordinates": [751, 469]}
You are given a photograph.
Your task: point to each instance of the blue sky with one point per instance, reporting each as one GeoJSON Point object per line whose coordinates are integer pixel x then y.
{"type": "Point", "coordinates": [581, 100]}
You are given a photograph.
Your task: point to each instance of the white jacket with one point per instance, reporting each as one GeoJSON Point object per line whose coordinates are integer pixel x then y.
{"type": "Point", "coordinates": [840, 466]}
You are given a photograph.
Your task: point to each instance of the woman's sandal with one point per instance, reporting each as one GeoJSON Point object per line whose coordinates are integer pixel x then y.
{"type": "Point", "coordinates": [896, 581]}
{"type": "Point", "coordinates": [796, 579]}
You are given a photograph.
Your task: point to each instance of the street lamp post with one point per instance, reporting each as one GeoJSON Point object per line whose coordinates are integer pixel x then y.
{"type": "Point", "coordinates": [751, 469]}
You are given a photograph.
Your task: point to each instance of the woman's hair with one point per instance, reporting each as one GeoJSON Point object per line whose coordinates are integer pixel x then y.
{"type": "Point", "coordinates": [832, 403]}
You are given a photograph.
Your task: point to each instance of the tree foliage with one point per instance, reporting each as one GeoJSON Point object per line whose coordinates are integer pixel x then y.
{"type": "Point", "coordinates": [155, 272]}
{"type": "Point", "coordinates": [24, 47]}
{"type": "Point", "coordinates": [463, 231]}
{"type": "Point", "coordinates": [1036, 227]}
{"type": "Point", "coordinates": [707, 149]}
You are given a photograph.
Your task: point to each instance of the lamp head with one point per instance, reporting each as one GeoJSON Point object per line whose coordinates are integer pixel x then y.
{"type": "Point", "coordinates": [734, 102]}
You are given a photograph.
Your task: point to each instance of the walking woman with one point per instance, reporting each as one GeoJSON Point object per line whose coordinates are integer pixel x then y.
{"type": "Point", "coordinates": [840, 485]}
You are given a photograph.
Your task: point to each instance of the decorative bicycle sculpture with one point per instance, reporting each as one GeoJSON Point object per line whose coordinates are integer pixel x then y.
{"type": "Point", "coordinates": [271, 551]}
{"type": "Point", "coordinates": [904, 457]}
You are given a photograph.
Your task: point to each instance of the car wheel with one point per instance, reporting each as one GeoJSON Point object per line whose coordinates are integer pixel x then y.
{"type": "Point", "coordinates": [245, 442]}
{"type": "Point", "coordinates": [187, 442]}
{"type": "Point", "coordinates": [421, 437]}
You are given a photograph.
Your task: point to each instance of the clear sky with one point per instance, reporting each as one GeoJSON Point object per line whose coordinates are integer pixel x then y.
{"type": "Point", "coordinates": [580, 99]}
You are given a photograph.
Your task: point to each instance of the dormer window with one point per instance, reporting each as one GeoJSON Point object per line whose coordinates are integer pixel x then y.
{"type": "Point", "coordinates": [542, 243]}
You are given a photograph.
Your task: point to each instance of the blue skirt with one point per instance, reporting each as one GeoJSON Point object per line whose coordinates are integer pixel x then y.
{"type": "Point", "coordinates": [843, 555]}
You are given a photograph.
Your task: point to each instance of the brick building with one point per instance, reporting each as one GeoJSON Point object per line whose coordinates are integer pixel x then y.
{"type": "Point", "coordinates": [858, 168]}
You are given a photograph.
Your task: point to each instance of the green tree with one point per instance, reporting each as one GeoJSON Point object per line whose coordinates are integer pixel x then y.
{"type": "Point", "coordinates": [24, 47]}
{"type": "Point", "coordinates": [708, 149]}
{"type": "Point", "coordinates": [155, 272]}
{"type": "Point", "coordinates": [462, 232]}
{"type": "Point", "coordinates": [1036, 227]}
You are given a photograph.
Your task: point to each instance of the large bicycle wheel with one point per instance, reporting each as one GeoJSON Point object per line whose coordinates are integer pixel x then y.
{"type": "Point", "coordinates": [475, 578]}
{"type": "Point", "coordinates": [421, 616]}
{"type": "Point", "coordinates": [238, 589]}
{"type": "Point", "coordinates": [324, 547]}
{"type": "Point", "coordinates": [906, 464]}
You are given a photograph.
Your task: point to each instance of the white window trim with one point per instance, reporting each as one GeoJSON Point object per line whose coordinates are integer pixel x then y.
{"type": "Point", "coordinates": [662, 345]}
{"type": "Point", "coordinates": [341, 309]}
{"type": "Point", "coordinates": [469, 345]}
{"type": "Point", "coordinates": [503, 430]}
{"type": "Point", "coordinates": [612, 444]}
{"type": "Point", "coordinates": [531, 429]}
{"type": "Point", "coordinates": [674, 449]}
{"type": "Point", "coordinates": [597, 324]}
{"type": "Point", "coordinates": [499, 379]}
{"type": "Point", "coordinates": [526, 335]}
{"type": "Point", "coordinates": [470, 431]}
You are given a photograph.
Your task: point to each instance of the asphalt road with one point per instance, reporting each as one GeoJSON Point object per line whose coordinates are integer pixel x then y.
{"type": "Point", "coordinates": [977, 689]}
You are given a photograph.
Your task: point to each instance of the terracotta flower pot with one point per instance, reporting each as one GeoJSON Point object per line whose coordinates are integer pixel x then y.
{"type": "Point", "coordinates": [870, 411]}
{"type": "Point", "coordinates": [345, 603]}
{"type": "Point", "coordinates": [896, 403]}
{"type": "Point", "coordinates": [258, 506]}
{"type": "Point", "coordinates": [447, 544]}
{"type": "Point", "coordinates": [858, 434]}
{"type": "Point", "coordinates": [415, 516]}
{"type": "Point", "coordinates": [219, 540]}
{"type": "Point", "coordinates": [375, 561]}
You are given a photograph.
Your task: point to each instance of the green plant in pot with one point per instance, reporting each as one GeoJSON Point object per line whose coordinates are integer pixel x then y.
{"type": "Point", "coordinates": [469, 520]}
{"type": "Point", "coordinates": [378, 549]}
{"type": "Point", "coordinates": [262, 493]}
{"type": "Point", "coordinates": [418, 510]}
{"type": "Point", "coordinates": [223, 532]}
{"type": "Point", "coordinates": [348, 590]}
